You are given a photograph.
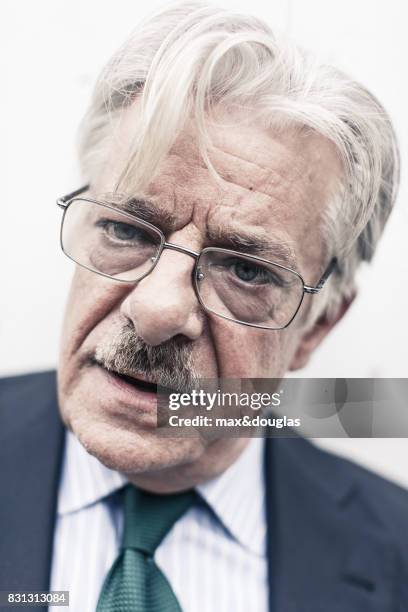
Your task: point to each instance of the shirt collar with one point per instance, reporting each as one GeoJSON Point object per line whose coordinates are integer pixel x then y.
{"type": "Point", "coordinates": [237, 496]}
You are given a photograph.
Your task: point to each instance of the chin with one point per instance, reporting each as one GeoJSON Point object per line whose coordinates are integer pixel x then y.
{"type": "Point", "coordinates": [134, 452]}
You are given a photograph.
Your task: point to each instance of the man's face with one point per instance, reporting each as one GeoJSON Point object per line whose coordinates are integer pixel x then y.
{"type": "Point", "coordinates": [275, 186]}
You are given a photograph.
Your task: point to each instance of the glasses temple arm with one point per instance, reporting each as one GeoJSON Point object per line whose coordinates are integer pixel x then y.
{"type": "Point", "coordinates": [326, 274]}
{"type": "Point", "coordinates": [62, 202]}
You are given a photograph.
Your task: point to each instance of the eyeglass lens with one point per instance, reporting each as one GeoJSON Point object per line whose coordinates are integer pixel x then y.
{"type": "Point", "coordinates": [246, 290]}
{"type": "Point", "coordinates": [108, 241]}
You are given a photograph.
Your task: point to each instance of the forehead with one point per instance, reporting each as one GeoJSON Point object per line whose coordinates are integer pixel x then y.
{"type": "Point", "coordinates": [273, 184]}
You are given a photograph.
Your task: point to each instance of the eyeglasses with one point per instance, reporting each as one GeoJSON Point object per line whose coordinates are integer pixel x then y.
{"type": "Point", "coordinates": [242, 288]}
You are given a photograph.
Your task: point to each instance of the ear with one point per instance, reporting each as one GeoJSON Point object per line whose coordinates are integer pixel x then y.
{"type": "Point", "coordinates": [315, 334]}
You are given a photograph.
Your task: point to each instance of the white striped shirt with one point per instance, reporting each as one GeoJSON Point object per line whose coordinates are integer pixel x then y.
{"type": "Point", "coordinates": [213, 563]}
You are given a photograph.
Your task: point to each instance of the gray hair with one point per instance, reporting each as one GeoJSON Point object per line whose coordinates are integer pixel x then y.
{"type": "Point", "coordinates": [191, 56]}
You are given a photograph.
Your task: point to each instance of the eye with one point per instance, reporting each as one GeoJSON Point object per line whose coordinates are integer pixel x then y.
{"type": "Point", "coordinates": [245, 272]}
{"type": "Point", "coordinates": [123, 232]}
{"type": "Point", "coordinates": [252, 273]}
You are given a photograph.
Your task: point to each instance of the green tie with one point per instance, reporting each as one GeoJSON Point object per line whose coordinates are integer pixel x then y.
{"type": "Point", "coordinates": [135, 583]}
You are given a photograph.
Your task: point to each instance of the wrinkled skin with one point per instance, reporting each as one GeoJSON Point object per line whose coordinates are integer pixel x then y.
{"type": "Point", "coordinates": [273, 184]}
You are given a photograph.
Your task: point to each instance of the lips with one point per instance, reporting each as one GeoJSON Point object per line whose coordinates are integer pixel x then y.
{"type": "Point", "coordinates": [137, 383]}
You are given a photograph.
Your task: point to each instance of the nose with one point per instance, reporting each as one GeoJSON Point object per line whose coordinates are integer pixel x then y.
{"type": "Point", "coordinates": [163, 304]}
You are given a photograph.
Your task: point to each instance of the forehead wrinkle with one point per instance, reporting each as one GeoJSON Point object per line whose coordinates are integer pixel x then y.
{"type": "Point", "coordinates": [262, 179]}
{"type": "Point", "coordinates": [282, 199]}
{"type": "Point", "coordinates": [194, 162]}
{"type": "Point", "coordinates": [265, 165]}
{"type": "Point", "coordinates": [233, 167]}
{"type": "Point", "coordinates": [256, 185]}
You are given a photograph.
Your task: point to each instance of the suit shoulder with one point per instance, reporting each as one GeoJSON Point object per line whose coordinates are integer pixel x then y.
{"type": "Point", "coordinates": [21, 383]}
{"type": "Point", "coordinates": [385, 494]}
{"type": "Point", "coordinates": [25, 390]}
{"type": "Point", "coordinates": [386, 499]}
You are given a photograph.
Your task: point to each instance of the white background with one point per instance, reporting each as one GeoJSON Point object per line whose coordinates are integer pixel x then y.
{"type": "Point", "coordinates": [51, 53]}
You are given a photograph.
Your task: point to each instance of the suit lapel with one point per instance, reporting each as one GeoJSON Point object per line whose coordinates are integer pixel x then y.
{"type": "Point", "coordinates": [325, 550]}
{"type": "Point", "coordinates": [30, 456]}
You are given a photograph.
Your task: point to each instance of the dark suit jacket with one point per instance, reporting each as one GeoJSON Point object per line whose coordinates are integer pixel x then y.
{"type": "Point", "coordinates": [338, 535]}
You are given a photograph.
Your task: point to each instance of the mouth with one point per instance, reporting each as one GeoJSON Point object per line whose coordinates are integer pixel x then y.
{"type": "Point", "coordinates": [137, 383]}
{"type": "Point", "coordinates": [130, 383]}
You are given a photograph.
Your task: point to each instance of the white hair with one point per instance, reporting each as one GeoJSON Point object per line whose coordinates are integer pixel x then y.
{"type": "Point", "coordinates": [191, 57]}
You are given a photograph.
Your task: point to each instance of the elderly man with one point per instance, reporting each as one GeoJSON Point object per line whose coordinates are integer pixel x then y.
{"type": "Point", "coordinates": [231, 188]}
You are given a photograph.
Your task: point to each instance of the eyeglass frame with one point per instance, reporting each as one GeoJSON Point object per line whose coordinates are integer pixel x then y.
{"type": "Point", "coordinates": [64, 202]}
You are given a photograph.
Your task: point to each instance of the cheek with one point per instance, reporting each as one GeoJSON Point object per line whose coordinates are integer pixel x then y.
{"type": "Point", "coordinates": [245, 352]}
{"type": "Point", "coordinates": [91, 298]}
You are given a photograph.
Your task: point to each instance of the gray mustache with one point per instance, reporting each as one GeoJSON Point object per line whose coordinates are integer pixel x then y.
{"type": "Point", "coordinates": [168, 365]}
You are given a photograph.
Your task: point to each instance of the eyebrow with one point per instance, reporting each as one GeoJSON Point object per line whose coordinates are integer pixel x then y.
{"type": "Point", "coordinates": [253, 244]}
{"type": "Point", "coordinates": [148, 211]}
